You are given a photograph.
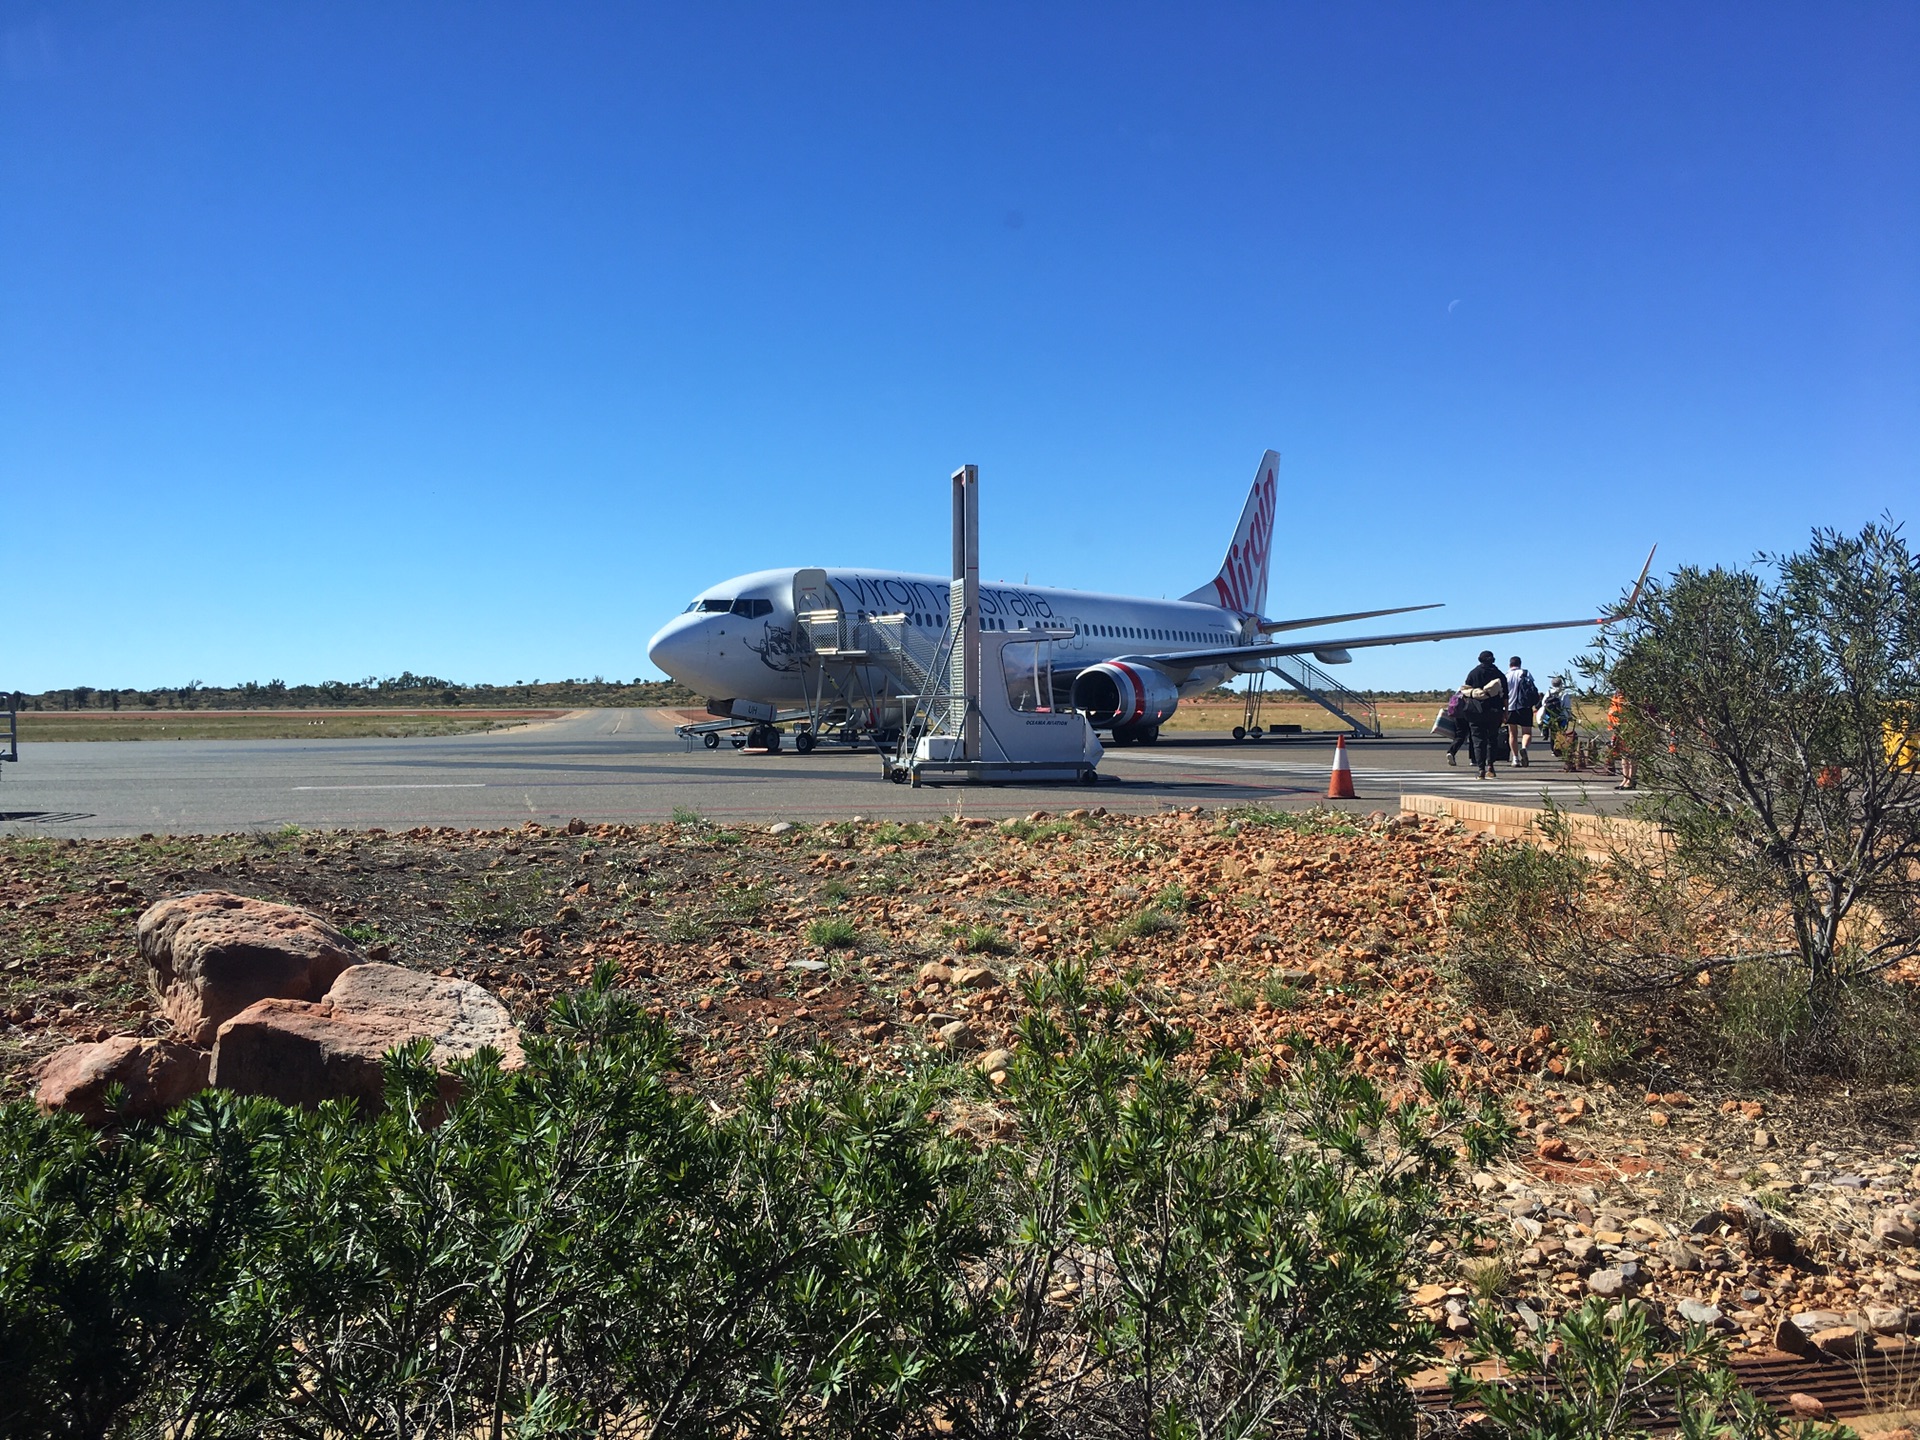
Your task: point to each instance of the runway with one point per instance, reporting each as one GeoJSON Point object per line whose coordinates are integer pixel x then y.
{"type": "Point", "coordinates": [627, 766]}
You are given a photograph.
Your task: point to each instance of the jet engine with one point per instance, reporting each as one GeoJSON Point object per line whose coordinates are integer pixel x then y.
{"type": "Point", "coordinates": [1131, 699]}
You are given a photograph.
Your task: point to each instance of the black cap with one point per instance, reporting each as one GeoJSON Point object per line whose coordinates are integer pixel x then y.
{"type": "Point", "coordinates": [1486, 657]}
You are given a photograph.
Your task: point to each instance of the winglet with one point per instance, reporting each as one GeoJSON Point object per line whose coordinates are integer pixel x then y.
{"type": "Point", "coordinates": [1639, 585]}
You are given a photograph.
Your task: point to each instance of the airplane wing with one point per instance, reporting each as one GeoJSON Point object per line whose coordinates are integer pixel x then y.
{"type": "Point", "coordinates": [1327, 648]}
{"type": "Point", "coordinates": [1334, 650]}
{"type": "Point", "coordinates": [1270, 626]}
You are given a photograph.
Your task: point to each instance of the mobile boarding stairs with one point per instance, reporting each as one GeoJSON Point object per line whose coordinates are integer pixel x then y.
{"type": "Point", "coordinates": [860, 672]}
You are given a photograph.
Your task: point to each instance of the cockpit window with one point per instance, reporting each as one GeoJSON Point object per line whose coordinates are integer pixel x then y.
{"type": "Point", "coordinates": [712, 607]}
{"type": "Point", "coordinates": [753, 609]}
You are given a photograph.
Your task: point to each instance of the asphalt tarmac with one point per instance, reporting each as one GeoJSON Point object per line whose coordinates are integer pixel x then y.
{"type": "Point", "coordinates": [627, 766]}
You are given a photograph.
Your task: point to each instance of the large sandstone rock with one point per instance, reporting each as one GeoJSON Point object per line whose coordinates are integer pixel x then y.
{"type": "Point", "coordinates": [158, 1075]}
{"type": "Point", "coordinates": [304, 1053]}
{"type": "Point", "coordinates": [211, 955]}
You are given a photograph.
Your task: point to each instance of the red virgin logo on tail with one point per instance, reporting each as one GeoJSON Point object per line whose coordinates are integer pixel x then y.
{"type": "Point", "coordinates": [1242, 576]}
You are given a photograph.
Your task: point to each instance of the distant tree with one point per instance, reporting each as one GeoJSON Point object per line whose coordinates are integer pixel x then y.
{"type": "Point", "coordinates": [115, 698]}
{"type": "Point", "coordinates": [1769, 711]}
{"type": "Point", "coordinates": [81, 693]}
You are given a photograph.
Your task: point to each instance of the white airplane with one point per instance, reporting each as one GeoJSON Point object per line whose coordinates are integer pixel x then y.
{"type": "Point", "coordinates": [1127, 661]}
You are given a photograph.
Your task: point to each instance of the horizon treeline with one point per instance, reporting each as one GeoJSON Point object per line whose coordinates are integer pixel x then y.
{"type": "Point", "coordinates": [405, 689]}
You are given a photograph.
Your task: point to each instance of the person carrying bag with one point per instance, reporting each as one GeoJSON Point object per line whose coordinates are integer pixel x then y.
{"type": "Point", "coordinates": [1484, 706]}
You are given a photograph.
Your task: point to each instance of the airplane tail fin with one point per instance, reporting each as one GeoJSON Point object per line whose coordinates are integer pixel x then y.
{"type": "Point", "coordinates": [1242, 582]}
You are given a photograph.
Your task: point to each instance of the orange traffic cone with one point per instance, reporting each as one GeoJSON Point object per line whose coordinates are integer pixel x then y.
{"type": "Point", "coordinates": [1340, 783]}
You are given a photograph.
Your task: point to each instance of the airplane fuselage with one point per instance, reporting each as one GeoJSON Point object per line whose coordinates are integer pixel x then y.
{"type": "Point", "coordinates": [738, 639]}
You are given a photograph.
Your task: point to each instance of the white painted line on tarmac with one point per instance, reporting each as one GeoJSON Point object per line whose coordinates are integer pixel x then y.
{"type": "Point", "coordinates": [1393, 779]}
{"type": "Point", "coordinates": [456, 785]}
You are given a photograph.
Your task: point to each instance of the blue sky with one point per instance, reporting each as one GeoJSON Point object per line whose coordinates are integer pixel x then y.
{"type": "Point", "coordinates": [473, 339]}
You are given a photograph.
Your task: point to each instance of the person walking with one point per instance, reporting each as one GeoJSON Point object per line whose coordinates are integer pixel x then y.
{"type": "Point", "coordinates": [1556, 719]}
{"type": "Point", "coordinates": [1616, 716]}
{"type": "Point", "coordinates": [1522, 695]}
{"type": "Point", "coordinates": [1456, 717]}
{"type": "Point", "coordinates": [1484, 697]}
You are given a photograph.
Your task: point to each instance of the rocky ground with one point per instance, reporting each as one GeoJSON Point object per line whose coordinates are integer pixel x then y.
{"type": "Point", "coordinates": [1261, 932]}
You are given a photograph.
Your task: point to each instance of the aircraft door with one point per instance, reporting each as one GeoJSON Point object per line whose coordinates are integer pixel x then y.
{"type": "Point", "coordinates": [812, 592]}
{"type": "Point", "coordinates": [817, 614]}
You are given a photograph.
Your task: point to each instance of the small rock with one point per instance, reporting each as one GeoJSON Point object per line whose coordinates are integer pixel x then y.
{"type": "Point", "coordinates": [1791, 1338]}
{"type": "Point", "coordinates": [157, 1074]}
{"type": "Point", "coordinates": [956, 1035]}
{"type": "Point", "coordinates": [1891, 1229]}
{"type": "Point", "coordinates": [1429, 1295]}
{"type": "Point", "coordinates": [1554, 1148]}
{"type": "Point", "coordinates": [1888, 1319]}
{"type": "Point", "coordinates": [1682, 1257]}
{"type": "Point", "coordinates": [934, 973]}
{"type": "Point", "coordinates": [1529, 1317]}
{"type": "Point", "coordinates": [1699, 1312]}
{"type": "Point", "coordinates": [1608, 1284]}
{"type": "Point", "coordinates": [1762, 1139]}
{"type": "Point", "coordinates": [993, 1060]}
{"type": "Point", "coordinates": [1807, 1407]}
{"type": "Point", "coordinates": [780, 827]}
{"type": "Point", "coordinates": [1767, 1237]}
{"type": "Point", "coordinates": [1580, 1249]}
{"type": "Point", "coordinates": [807, 965]}
{"type": "Point", "coordinates": [1621, 1311]}
{"type": "Point", "coordinates": [971, 977]}
{"type": "Point", "coordinates": [1812, 1320]}
{"type": "Point", "coordinates": [1843, 1342]}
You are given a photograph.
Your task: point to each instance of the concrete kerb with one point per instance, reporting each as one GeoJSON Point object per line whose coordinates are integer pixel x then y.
{"type": "Point", "coordinates": [1601, 835]}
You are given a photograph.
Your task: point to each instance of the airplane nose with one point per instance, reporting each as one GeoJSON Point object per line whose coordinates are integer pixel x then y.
{"type": "Point", "coordinates": [680, 649]}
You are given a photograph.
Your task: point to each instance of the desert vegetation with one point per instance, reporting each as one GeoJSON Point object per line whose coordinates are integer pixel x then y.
{"type": "Point", "coordinates": [1201, 1124]}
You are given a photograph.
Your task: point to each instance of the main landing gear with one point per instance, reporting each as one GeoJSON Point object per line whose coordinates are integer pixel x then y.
{"type": "Point", "coordinates": [1241, 732]}
{"type": "Point", "coordinates": [1135, 734]}
{"type": "Point", "coordinates": [760, 737]}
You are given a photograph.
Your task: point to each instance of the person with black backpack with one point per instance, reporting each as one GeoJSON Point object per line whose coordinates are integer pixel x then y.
{"type": "Point", "coordinates": [1522, 696]}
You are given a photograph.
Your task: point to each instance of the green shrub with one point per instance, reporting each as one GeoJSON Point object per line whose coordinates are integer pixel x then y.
{"type": "Point", "coordinates": [1764, 1025]}
{"type": "Point", "coordinates": [689, 927]}
{"type": "Point", "coordinates": [983, 940]}
{"type": "Point", "coordinates": [1233, 1264]}
{"type": "Point", "coordinates": [833, 932]}
{"type": "Point", "coordinates": [1551, 934]}
{"type": "Point", "coordinates": [585, 1247]}
{"type": "Point", "coordinates": [575, 1248]}
{"type": "Point", "coordinates": [1607, 1373]}
{"type": "Point", "coordinates": [501, 901]}
{"type": "Point", "coordinates": [1319, 820]}
{"type": "Point", "coordinates": [1150, 921]}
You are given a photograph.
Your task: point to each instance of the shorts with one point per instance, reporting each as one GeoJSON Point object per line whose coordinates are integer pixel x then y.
{"type": "Point", "coordinates": [1522, 719]}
